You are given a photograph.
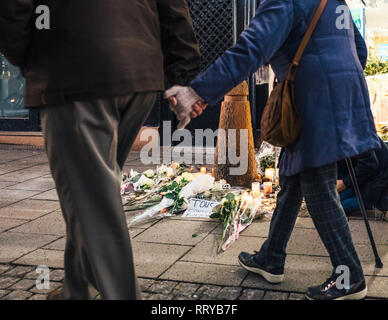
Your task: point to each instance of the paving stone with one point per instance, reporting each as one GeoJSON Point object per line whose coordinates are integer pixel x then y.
{"type": "Point", "coordinates": [259, 228]}
{"type": "Point", "coordinates": [296, 296]}
{"type": "Point", "coordinates": [185, 298]}
{"type": "Point", "coordinates": [15, 245]}
{"type": "Point", "coordinates": [16, 195]}
{"type": "Point", "coordinates": [17, 295]}
{"type": "Point", "coordinates": [367, 259]}
{"type": "Point", "coordinates": [4, 293]}
{"type": "Point", "coordinates": [206, 250]}
{"type": "Point", "coordinates": [21, 175]}
{"type": "Point", "coordinates": [41, 257]}
{"type": "Point", "coordinates": [304, 222]}
{"type": "Point", "coordinates": [162, 287]}
{"type": "Point", "coordinates": [6, 203]}
{"type": "Point", "coordinates": [53, 286]}
{"type": "Point", "coordinates": [185, 289]}
{"type": "Point", "coordinates": [360, 236]}
{"type": "Point", "coordinates": [52, 223]}
{"type": "Point", "coordinates": [6, 223]}
{"type": "Point", "coordinates": [18, 271]}
{"type": "Point", "coordinates": [229, 293]}
{"type": "Point", "coordinates": [252, 294]}
{"type": "Point", "coordinates": [28, 209]}
{"type": "Point", "coordinates": [157, 296]}
{"type": "Point", "coordinates": [134, 232]}
{"type": "Point", "coordinates": [37, 184]}
{"type": "Point", "coordinates": [208, 291]}
{"type": "Point", "coordinates": [273, 295]}
{"type": "Point", "coordinates": [4, 184]}
{"type": "Point", "coordinates": [48, 195]}
{"type": "Point", "coordinates": [205, 273]}
{"type": "Point", "coordinates": [300, 273]}
{"type": "Point", "coordinates": [306, 242]}
{"type": "Point", "coordinates": [177, 232]}
{"type": "Point", "coordinates": [59, 244]}
{"type": "Point", "coordinates": [23, 285]}
{"type": "Point", "coordinates": [144, 284]}
{"type": "Point", "coordinates": [55, 275]}
{"type": "Point", "coordinates": [152, 259]}
{"type": "Point", "coordinates": [38, 297]}
{"type": "Point", "coordinates": [6, 282]}
{"type": "Point", "coordinates": [377, 286]}
{"type": "Point", "coordinates": [4, 268]}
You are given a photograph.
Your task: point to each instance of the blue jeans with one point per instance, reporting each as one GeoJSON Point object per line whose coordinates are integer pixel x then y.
{"type": "Point", "coordinates": [349, 201]}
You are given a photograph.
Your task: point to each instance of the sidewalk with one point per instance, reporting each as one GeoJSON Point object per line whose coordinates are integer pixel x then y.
{"type": "Point", "coordinates": [172, 263]}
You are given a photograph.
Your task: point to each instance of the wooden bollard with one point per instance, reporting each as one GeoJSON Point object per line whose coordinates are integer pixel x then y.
{"type": "Point", "coordinates": [235, 114]}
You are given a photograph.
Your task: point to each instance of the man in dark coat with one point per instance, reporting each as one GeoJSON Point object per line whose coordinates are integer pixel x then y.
{"type": "Point", "coordinates": [371, 170]}
{"type": "Point", "coordinates": [332, 99]}
{"type": "Point", "coordinates": [94, 74]}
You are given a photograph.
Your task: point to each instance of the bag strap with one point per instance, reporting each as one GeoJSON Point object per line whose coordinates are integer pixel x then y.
{"type": "Point", "coordinates": [306, 39]}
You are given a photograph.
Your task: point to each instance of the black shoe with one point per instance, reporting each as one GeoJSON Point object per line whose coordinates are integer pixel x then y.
{"type": "Point", "coordinates": [329, 291]}
{"type": "Point", "coordinates": [269, 273]}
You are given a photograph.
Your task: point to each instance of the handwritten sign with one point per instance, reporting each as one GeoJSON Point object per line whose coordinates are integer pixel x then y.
{"type": "Point", "coordinates": [200, 208]}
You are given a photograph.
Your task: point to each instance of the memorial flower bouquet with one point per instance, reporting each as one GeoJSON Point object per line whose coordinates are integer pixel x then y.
{"type": "Point", "coordinates": [236, 212]}
{"type": "Point", "coordinates": [174, 197]}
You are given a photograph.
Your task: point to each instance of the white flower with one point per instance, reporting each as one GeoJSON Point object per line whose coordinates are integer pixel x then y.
{"type": "Point", "coordinates": [149, 173]}
{"type": "Point", "coordinates": [133, 173]}
{"type": "Point", "coordinates": [163, 170]}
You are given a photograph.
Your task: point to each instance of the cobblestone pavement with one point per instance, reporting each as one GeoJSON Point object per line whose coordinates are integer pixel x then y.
{"type": "Point", "coordinates": [171, 262]}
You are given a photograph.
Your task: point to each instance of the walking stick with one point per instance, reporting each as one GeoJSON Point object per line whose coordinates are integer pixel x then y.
{"type": "Point", "coordinates": [349, 164]}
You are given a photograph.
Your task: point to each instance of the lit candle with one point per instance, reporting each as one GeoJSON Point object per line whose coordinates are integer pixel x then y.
{"type": "Point", "coordinates": [267, 187]}
{"type": "Point", "coordinates": [270, 173]}
{"type": "Point", "coordinates": [203, 170]}
{"type": "Point", "coordinates": [255, 189]}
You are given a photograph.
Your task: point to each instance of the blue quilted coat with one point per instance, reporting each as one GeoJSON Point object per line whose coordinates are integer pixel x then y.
{"type": "Point", "coordinates": [330, 89]}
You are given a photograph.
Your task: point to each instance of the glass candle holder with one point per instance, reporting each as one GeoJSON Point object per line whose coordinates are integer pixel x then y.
{"type": "Point", "coordinates": [267, 187]}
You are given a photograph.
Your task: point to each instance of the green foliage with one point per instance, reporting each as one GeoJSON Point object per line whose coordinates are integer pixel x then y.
{"type": "Point", "coordinates": [173, 191]}
{"type": "Point", "coordinates": [376, 66]}
{"type": "Point", "coordinates": [267, 162]}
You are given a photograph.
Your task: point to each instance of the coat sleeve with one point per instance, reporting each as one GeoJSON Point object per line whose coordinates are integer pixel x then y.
{"type": "Point", "coordinates": [256, 45]}
{"type": "Point", "coordinates": [366, 165]}
{"type": "Point", "coordinates": [362, 50]}
{"type": "Point", "coordinates": [180, 47]}
{"type": "Point", "coordinates": [16, 26]}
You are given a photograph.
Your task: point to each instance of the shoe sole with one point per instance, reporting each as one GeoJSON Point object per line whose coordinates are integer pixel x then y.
{"type": "Point", "coordinates": [271, 278]}
{"type": "Point", "coordinates": [354, 296]}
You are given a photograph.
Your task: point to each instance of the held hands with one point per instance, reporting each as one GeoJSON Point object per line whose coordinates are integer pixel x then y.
{"type": "Point", "coordinates": [185, 103]}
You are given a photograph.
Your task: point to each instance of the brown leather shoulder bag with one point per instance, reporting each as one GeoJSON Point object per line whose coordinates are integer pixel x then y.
{"type": "Point", "coordinates": [280, 123]}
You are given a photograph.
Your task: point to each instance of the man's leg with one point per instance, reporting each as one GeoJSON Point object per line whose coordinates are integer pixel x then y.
{"type": "Point", "coordinates": [289, 200]}
{"type": "Point", "coordinates": [323, 203]}
{"type": "Point", "coordinates": [133, 113]}
{"type": "Point", "coordinates": [82, 143]}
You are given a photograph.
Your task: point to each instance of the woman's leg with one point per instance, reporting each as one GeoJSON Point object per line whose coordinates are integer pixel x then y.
{"type": "Point", "coordinates": [319, 189]}
{"type": "Point", "coordinates": [289, 200]}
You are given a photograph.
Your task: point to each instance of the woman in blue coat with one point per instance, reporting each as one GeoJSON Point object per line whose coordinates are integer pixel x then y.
{"type": "Point", "coordinates": [333, 103]}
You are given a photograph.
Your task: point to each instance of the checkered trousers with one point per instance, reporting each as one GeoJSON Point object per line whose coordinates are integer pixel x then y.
{"type": "Point", "coordinates": [318, 187]}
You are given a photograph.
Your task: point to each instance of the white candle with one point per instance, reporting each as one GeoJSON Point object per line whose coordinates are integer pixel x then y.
{"type": "Point", "coordinates": [270, 173]}
{"type": "Point", "coordinates": [256, 189]}
{"type": "Point", "coordinates": [203, 170]}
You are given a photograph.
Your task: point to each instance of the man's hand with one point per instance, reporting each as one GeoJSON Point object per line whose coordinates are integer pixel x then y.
{"type": "Point", "coordinates": [340, 185]}
{"type": "Point", "coordinates": [185, 103]}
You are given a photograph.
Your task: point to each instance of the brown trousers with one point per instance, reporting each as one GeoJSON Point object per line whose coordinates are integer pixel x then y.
{"type": "Point", "coordinates": [87, 143]}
